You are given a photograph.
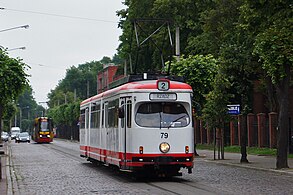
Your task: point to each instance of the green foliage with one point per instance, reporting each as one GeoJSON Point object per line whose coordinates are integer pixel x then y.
{"type": "Point", "coordinates": [27, 107]}
{"type": "Point", "coordinates": [182, 13]}
{"type": "Point", "coordinates": [215, 112]}
{"type": "Point", "coordinates": [65, 114]}
{"type": "Point", "coordinates": [217, 21]}
{"type": "Point", "coordinates": [275, 50]}
{"type": "Point", "coordinates": [13, 79]}
{"type": "Point", "coordinates": [79, 82]}
{"type": "Point", "coordinates": [271, 24]}
{"type": "Point", "coordinates": [236, 149]}
{"type": "Point", "coordinates": [199, 71]}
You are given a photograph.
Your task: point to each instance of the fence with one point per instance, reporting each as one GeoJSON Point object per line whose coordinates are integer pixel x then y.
{"type": "Point", "coordinates": [261, 131]}
{"type": "Point", "coordinates": [68, 132]}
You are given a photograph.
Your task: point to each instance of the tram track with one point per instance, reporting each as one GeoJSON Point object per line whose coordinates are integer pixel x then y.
{"type": "Point", "coordinates": [62, 152]}
{"type": "Point", "coordinates": [173, 185]}
{"type": "Point", "coordinates": [181, 186]}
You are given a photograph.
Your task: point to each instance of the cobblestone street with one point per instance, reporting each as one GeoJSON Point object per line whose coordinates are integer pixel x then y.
{"type": "Point", "coordinates": [56, 168]}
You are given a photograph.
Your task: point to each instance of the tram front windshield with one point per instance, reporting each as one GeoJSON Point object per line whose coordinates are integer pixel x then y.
{"type": "Point", "coordinates": [162, 115]}
{"type": "Point", "coordinates": [44, 126]}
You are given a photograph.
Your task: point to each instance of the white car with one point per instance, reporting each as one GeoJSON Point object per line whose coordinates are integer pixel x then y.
{"type": "Point", "coordinates": [22, 137]}
{"type": "Point", "coordinates": [4, 136]}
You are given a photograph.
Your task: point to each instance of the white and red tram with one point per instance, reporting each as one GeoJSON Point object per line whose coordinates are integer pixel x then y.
{"type": "Point", "coordinates": [143, 125]}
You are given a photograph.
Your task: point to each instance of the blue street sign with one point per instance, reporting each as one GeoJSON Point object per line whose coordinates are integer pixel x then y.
{"type": "Point", "coordinates": [234, 109]}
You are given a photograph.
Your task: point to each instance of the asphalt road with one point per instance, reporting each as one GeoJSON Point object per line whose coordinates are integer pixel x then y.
{"type": "Point", "coordinates": [56, 168]}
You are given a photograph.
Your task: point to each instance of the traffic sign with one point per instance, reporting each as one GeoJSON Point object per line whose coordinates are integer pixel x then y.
{"type": "Point", "coordinates": [234, 109]}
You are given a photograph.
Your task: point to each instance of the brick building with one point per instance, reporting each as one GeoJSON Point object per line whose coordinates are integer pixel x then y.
{"type": "Point", "coordinates": [107, 76]}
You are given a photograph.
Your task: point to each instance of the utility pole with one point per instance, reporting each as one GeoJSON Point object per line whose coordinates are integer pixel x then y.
{"type": "Point", "coordinates": [177, 43]}
{"type": "Point", "coordinates": [65, 98]}
{"type": "Point", "coordinates": [74, 95]}
{"type": "Point", "coordinates": [87, 89]}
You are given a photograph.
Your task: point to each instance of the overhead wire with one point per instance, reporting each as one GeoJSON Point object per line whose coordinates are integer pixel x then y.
{"type": "Point", "coordinates": [42, 65]}
{"type": "Point", "coordinates": [58, 15]}
{"type": "Point", "coordinates": [55, 15]}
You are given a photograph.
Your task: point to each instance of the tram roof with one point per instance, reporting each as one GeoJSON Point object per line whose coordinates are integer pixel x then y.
{"type": "Point", "coordinates": [138, 85]}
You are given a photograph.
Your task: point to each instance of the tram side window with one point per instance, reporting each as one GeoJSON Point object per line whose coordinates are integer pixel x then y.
{"type": "Point", "coordinates": [122, 120]}
{"type": "Point", "coordinates": [95, 116]}
{"type": "Point", "coordinates": [82, 119]}
{"type": "Point", "coordinates": [103, 109]}
{"type": "Point", "coordinates": [112, 113]}
{"type": "Point", "coordinates": [106, 115]}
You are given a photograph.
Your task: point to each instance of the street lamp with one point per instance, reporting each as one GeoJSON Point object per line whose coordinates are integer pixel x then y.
{"type": "Point", "coordinates": [23, 26]}
{"type": "Point", "coordinates": [20, 114]}
{"type": "Point", "coordinates": [16, 48]}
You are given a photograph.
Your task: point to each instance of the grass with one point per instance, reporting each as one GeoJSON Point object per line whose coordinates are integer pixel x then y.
{"type": "Point", "coordinates": [250, 150]}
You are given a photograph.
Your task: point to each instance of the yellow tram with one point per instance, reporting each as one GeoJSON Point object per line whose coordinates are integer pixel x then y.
{"type": "Point", "coordinates": [43, 130]}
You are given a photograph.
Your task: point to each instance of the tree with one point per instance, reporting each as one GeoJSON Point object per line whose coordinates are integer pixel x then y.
{"type": "Point", "coordinates": [215, 112]}
{"type": "Point", "coordinates": [272, 24]}
{"type": "Point", "coordinates": [13, 79]}
{"type": "Point", "coordinates": [79, 82]}
{"type": "Point", "coordinates": [199, 71]}
{"type": "Point", "coordinates": [28, 106]}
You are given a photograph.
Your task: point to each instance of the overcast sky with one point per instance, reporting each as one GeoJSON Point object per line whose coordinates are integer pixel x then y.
{"type": "Point", "coordinates": [88, 31]}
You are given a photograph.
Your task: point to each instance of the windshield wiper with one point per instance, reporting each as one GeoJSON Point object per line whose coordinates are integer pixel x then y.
{"type": "Point", "coordinates": [175, 121]}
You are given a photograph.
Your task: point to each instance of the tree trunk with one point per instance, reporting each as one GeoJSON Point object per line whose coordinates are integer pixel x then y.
{"type": "Point", "coordinates": [1, 116]}
{"type": "Point", "coordinates": [243, 138]}
{"type": "Point", "coordinates": [271, 94]}
{"type": "Point", "coordinates": [283, 119]}
{"type": "Point", "coordinates": [222, 143]}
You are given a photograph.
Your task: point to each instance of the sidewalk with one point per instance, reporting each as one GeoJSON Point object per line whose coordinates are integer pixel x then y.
{"type": "Point", "coordinates": [266, 163]}
{"type": "Point", "coordinates": [3, 172]}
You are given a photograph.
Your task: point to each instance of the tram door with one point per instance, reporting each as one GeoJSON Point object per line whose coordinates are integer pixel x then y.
{"type": "Point", "coordinates": [125, 106]}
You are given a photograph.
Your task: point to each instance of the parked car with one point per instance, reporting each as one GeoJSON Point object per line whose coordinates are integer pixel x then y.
{"type": "Point", "coordinates": [22, 137]}
{"type": "Point", "coordinates": [4, 136]}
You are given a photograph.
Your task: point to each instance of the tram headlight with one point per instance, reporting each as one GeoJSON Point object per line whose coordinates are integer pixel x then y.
{"type": "Point", "coordinates": [164, 147]}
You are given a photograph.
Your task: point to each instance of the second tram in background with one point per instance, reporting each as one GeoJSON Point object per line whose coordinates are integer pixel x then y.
{"type": "Point", "coordinates": [143, 126]}
{"type": "Point", "coordinates": [43, 130]}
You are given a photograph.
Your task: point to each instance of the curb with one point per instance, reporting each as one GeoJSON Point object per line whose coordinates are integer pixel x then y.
{"type": "Point", "coordinates": [8, 175]}
{"type": "Point", "coordinates": [246, 165]}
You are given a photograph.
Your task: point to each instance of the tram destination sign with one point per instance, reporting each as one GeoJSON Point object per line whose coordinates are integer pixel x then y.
{"type": "Point", "coordinates": [234, 109]}
{"type": "Point", "coordinates": [163, 96]}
